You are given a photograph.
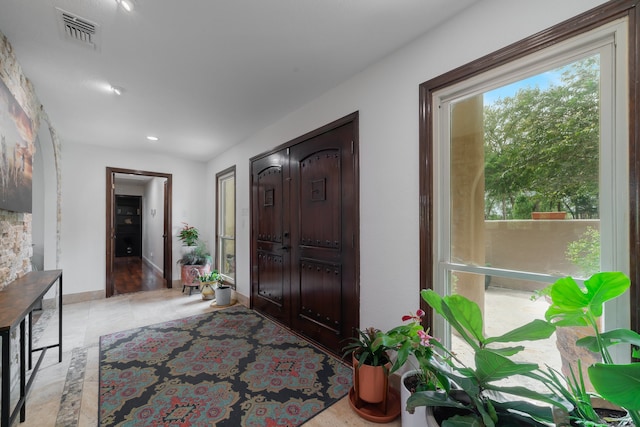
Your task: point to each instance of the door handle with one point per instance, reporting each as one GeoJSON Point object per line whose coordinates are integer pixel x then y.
{"type": "Point", "coordinates": [286, 248]}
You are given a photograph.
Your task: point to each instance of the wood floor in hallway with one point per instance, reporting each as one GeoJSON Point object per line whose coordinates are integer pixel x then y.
{"type": "Point", "coordinates": [134, 275]}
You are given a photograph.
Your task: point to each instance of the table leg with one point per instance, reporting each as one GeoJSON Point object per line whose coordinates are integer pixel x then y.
{"type": "Point", "coordinates": [23, 372]}
{"type": "Point", "coordinates": [6, 379]}
{"type": "Point", "coordinates": [60, 319]}
{"type": "Point", "coordinates": [30, 339]}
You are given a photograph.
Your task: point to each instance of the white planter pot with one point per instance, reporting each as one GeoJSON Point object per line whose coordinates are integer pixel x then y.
{"type": "Point", "coordinates": [223, 295]}
{"type": "Point", "coordinates": [417, 419]}
{"type": "Point", "coordinates": [429, 418]}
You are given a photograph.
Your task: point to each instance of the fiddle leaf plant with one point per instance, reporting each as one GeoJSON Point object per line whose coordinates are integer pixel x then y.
{"type": "Point", "coordinates": [477, 390]}
{"type": "Point", "coordinates": [572, 305]}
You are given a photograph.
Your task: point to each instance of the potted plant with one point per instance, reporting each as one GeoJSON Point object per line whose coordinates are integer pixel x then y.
{"type": "Point", "coordinates": [412, 345]}
{"type": "Point", "coordinates": [371, 366]}
{"type": "Point", "coordinates": [571, 305]}
{"type": "Point", "coordinates": [208, 281]}
{"type": "Point", "coordinates": [188, 235]}
{"type": "Point", "coordinates": [194, 263]}
{"type": "Point", "coordinates": [472, 392]}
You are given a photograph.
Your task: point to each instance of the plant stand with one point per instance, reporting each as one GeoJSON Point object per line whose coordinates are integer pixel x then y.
{"type": "Point", "coordinates": [382, 412]}
{"type": "Point", "coordinates": [191, 286]}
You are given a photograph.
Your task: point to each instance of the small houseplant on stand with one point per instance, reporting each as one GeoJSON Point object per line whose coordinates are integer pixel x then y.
{"type": "Point", "coordinates": [370, 395]}
{"type": "Point", "coordinates": [208, 282]}
{"type": "Point", "coordinates": [188, 235]}
{"type": "Point", "coordinates": [194, 263]}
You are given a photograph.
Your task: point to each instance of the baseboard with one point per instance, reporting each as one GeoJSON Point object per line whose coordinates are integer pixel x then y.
{"type": "Point", "coordinates": [51, 303]}
{"type": "Point", "coordinates": [242, 299]}
{"type": "Point", "coordinates": [150, 263]}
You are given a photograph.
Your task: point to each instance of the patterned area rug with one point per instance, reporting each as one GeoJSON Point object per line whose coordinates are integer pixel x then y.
{"type": "Point", "coordinates": [230, 367]}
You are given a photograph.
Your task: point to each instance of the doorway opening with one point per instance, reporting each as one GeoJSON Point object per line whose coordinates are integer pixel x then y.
{"type": "Point", "coordinates": [138, 231]}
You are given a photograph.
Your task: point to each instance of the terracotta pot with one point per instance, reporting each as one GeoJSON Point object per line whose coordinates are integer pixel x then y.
{"type": "Point", "coordinates": [548, 215]}
{"type": "Point", "coordinates": [372, 381]}
{"type": "Point", "coordinates": [189, 273]}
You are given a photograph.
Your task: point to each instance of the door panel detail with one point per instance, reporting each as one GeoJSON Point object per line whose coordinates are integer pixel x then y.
{"type": "Point", "coordinates": [270, 204]}
{"type": "Point", "coordinates": [320, 199]}
{"type": "Point", "coordinates": [318, 280]}
{"type": "Point", "coordinates": [270, 268]}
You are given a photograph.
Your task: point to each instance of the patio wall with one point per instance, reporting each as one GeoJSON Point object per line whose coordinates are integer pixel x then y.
{"type": "Point", "coordinates": [532, 245]}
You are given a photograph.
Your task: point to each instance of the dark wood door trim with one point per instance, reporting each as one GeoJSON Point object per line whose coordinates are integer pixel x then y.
{"type": "Point", "coordinates": [579, 24]}
{"type": "Point", "coordinates": [353, 117]}
{"type": "Point", "coordinates": [110, 224]}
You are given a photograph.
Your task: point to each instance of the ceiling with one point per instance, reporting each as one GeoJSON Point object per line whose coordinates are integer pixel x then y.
{"type": "Point", "coordinates": [201, 75]}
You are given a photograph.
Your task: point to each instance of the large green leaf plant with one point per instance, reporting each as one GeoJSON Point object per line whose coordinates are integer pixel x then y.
{"type": "Point", "coordinates": [572, 305]}
{"type": "Point", "coordinates": [475, 391]}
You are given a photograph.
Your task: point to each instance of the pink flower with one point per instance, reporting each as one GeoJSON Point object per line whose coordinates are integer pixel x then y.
{"type": "Point", "coordinates": [415, 317]}
{"type": "Point", "coordinates": [424, 338]}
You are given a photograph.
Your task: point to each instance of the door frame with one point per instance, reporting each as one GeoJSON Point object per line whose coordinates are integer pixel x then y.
{"type": "Point", "coordinates": [110, 225]}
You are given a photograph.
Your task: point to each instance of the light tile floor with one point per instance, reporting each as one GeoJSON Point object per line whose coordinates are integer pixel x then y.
{"type": "Point", "coordinates": [66, 394]}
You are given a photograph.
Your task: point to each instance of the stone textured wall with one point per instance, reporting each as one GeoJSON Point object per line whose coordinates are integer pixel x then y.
{"type": "Point", "coordinates": [15, 228]}
{"type": "Point", "coordinates": [15, 246]}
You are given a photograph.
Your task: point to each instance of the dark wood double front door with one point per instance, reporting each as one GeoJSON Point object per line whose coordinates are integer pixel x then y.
{"type": "Point", "coordinates": [305, 234]}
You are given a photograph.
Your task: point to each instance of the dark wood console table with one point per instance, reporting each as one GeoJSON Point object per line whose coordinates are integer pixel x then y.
{"type": "Point", "coordinates": [17, 301]}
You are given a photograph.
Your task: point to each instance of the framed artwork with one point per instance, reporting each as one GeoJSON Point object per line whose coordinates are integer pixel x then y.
{"type": "Point", "coordinates": [16, 154]}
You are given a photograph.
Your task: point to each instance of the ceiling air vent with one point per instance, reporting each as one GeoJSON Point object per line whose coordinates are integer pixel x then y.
{"type": "Point", "coordinates": [78, 29]}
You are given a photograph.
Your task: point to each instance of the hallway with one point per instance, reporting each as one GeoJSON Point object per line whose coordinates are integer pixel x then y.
{"type": "Point", "coordinates": [131, 274]}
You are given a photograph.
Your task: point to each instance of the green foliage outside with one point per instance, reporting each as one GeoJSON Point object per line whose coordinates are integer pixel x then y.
{"type": "Point", "coordinates": [585, 252]}
{"type": "Point", "coordinates": [542, 148]}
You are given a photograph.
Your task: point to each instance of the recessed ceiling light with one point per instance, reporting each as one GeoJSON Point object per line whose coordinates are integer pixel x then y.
{"type": "Point", "coordinates": [116, 89]}
{"type": "Point", "coordinates": [126, 4]}
{"type": "Point", "coordinates": [152, 138]}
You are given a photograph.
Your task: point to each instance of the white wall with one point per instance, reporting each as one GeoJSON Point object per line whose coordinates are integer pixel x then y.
{"type": "Point", "coordinates": [153, 223]}
{"type": "Point", "coordinates": [84, 204]}
{"type": "Point", "coordinates": [386, 95]}
{"type": "Point", "coordinates": [44, 220]}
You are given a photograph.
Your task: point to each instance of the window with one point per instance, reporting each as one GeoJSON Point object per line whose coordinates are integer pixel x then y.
{"type": "Point", "coordinates": [542, 132]}
{"type": "Point", "coordinates": [226, 225]}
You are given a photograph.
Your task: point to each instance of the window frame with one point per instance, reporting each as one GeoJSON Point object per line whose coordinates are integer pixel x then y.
{"type": "Point", "coordinates": [578, 25]}
{"type": "Point", "coordinates": [221, 177]}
